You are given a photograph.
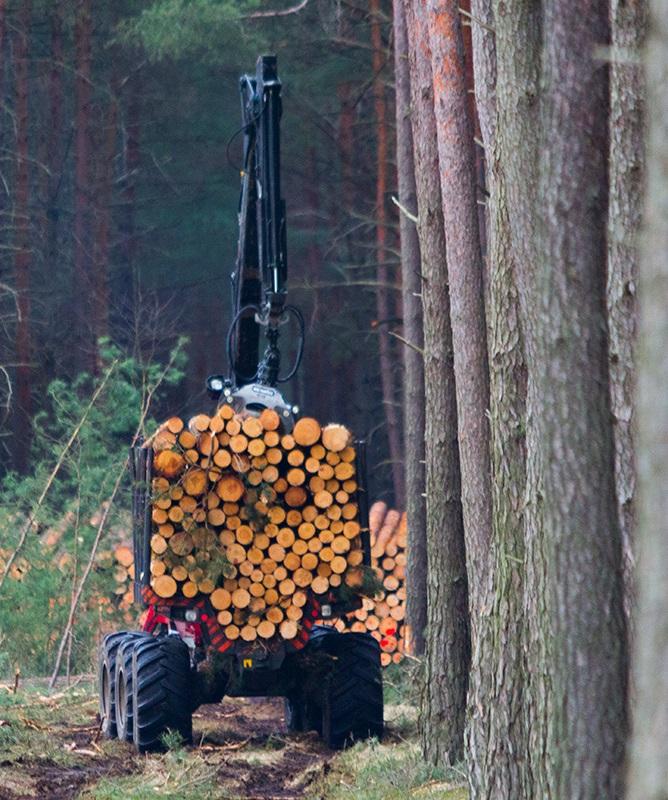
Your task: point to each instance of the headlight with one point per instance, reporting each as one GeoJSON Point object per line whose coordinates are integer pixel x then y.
{"type": "Point", "coordinates": [215, 383]}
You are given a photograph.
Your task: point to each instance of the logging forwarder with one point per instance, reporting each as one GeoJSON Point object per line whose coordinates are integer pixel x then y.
{"type": "Point", "coordinates": [196, 646]}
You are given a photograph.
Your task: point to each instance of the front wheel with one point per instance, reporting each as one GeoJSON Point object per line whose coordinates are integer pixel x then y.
{"type": "Point", "coordinates": [123, 686]}
{"type": "Point", "coordinates": [162, 692]}
{"type": "Point", "coordinates": [107, 678]}
{"type": "Point", "coordinates": [352, 707]}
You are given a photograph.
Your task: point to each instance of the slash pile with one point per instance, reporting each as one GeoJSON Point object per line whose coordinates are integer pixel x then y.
{"type": "Point", "coordinates": [254, 517]}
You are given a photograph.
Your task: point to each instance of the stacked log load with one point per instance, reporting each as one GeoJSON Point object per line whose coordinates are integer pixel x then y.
{"type": "Point", "coordinates": [383, 615]}
{"type": "Point", "coordinates": [254, 517]}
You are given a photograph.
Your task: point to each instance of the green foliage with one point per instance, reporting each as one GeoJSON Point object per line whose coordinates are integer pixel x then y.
{"type": "Point", "coordinates": [28, 718]}
{"type": "Point", "coordinates": [35, 607]}
{"type": "Point", "coordinates": [177, 28]}
{"type": "Point", "coordinates": [173, 741]}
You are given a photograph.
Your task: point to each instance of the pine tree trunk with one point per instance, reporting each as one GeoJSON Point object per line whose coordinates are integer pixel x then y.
{"type": "Point", "coordinates": [83, 270]}
{"type": "Point", "coordinates": [443, 706]}
{"type": "Point", "coordinates": [416, 575]}
{"type": "Point", "coordinates": [626, 186]}
{"type": "Point", "coordinates": [648, 775]}
{"type": "Point", "coordinates": [129, 292]}
{"type": "Point", "coordinates": [54, 136]}
{"type": "Point", "coordinates": [105, 178]}
{"type": "Point", "coordinates": [497, 738]}
{"type": "Point", "coordinates": [589, 648]}
{"type": "Point", "coordinates": [22, 232]}
{"type": "Point", "coordinates": [465, 277]}
{"type": "Point", "coordinates": [518, 40]}
{"type": "Point", "coordinates": [383, 303]}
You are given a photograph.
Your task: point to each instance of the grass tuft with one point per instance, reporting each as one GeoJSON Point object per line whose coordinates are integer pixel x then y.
{"type": "Point", "coordinates": [373, 771]}
{"type": "Point", "coordinates": [176, 775]}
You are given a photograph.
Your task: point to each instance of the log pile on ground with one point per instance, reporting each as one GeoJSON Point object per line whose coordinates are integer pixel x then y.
{"type": "Point", "coordinates": [383, 615]}
{"type": "Point", "coordinates": [254, 517]}
{"type": "Point", "coordinates": [123, 569]}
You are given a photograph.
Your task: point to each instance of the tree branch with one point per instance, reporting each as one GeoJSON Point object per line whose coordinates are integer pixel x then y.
{"type": "Point", "coordinates": [146, 405]}
{"type": "Point", "coordinates": [54, 473]}
{"type": "Point", "coordinates": [407, 343]}
{"type": "Point", "coordinates": [404, 210]}
{"type": "Point", "coordinates": [278, 13]}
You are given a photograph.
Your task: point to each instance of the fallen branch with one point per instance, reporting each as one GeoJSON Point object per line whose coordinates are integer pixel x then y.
{"type": "Point", "coordinates": [54, 473]}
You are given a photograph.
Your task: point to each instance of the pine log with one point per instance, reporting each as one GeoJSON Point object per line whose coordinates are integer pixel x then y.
{"type": "Point", "coordinates": [335, 437]}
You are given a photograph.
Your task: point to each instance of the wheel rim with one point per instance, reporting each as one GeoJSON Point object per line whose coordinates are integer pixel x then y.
{"type": "Point", "coordinates": [106, 694]}
{"type": "Point", "coordinates": [121, 709]}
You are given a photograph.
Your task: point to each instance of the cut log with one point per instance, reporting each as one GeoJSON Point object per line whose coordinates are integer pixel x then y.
{"type": "Point", "coordinates": [164, 586]}
{"type": "Point", "coordinates": [335, 437]}
{"type": "Point", "coordinates": [288, 629]}
{"type": "Point", "coordinates": [270, 420]}
{"type": "Point", "coordinates": [221, 599]}
{"type": "Point", "coordinates": [123, 555]}
{"type": "Point", "coordinates": [195, 482]}
{"type": "Point", "coordinates": [266, 629]}
{"type": "Point", "coordinates": [295, 496]}
{"type": "Point", "coordinates": [169, 463]}
{"type": "Point", "coordinates": [306, 431]}
{"type": "Point", "coordinates": [230, 489]}
{"type": "Point", "coordinates": [174, 425]}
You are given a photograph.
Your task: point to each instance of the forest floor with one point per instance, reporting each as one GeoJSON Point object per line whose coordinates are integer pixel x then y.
{"type": "Point", "coordinates": [50, 748]}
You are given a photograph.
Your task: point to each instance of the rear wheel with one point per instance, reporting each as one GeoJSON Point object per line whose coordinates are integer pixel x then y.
{"type": "Point", "coordinates": [352, 707]}
{"type": "Point", "coordinates": [123, 686]}
{"type": "Point", "coordinates": [107, 679]}
{"type": "Point", "coordinates": [295, 713]}
{"type": "Point", "coordinates": [162, 692]}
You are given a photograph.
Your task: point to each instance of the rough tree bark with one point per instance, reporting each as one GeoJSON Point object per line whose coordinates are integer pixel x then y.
{"type": "Point", "coordinates": [518, 39]}
{"type": "Point", "coordinates": [82, 240]}
{"type": "Point", "coordinates": [383, 303]}
{"type": "Point", "coordinates": [628, 18]}
{"type": "Point", "coordinates": [589, 652]}
{"type": "Point", "coordinates": [465, 277]}
{"type": "Point", "coordinates": [648, 777]}
{"type": "Point", "coordinates": [443, 707]}
{"type": "Point", "coordinates": [416, 573]}
{"type": "Point", "coordinates": [496, 737]}
{"type": "Point", "coordinates": [21, 223]}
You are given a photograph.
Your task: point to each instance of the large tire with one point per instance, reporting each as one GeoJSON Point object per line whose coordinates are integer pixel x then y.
{"type": "Point", "coordinates": [162, 692]}
{"type": "Point", "coordinates": [123, 686]}
{"type": "Point", "coordinates": [107, 679]}
{"type": "Point", "coordinates": [352, 707]}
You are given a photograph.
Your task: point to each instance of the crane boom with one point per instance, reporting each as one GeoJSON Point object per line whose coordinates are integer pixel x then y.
{"type": "Point", "coordinates": [259, 280]}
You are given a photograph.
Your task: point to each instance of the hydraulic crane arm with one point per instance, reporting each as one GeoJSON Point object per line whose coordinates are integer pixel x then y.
{"type": "Point", "coordinates": [259, 279]}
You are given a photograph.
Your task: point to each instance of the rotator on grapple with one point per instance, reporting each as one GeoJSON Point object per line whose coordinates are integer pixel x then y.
{"type": "Point", "coordinates": [152, 680]}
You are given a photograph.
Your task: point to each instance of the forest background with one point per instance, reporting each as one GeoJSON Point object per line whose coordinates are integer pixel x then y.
{"type": "Point", "coordinates": [496, 382]}
{"type": "Point", "coordinates": [120, 172]}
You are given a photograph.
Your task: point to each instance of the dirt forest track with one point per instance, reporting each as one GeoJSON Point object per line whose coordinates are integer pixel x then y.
{"type": "Point", "coordinates": [241, 745]}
